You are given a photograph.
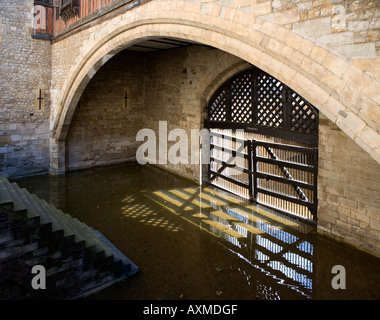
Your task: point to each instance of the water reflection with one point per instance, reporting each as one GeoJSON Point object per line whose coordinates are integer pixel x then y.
{"type": "Point", "coordinates": [281, 254]}
{"type": "Point", "coordinates": [242, 250]}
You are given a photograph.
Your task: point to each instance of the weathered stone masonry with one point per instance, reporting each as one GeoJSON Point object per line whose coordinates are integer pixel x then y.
{"type": "Point", "coordinates": [161, 86]}
{"type": "Point", "coordinates": [325, 50]}
{"type": "Point", "coordinates": [348, 189]}
{"type": "Point", "coordinates": [25, 68]}
{"type": "Point", "coordinates": [109, 114]}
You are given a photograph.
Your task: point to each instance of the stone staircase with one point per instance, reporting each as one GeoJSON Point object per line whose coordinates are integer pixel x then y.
{"type": "Point", "coordinates": [78, 259]}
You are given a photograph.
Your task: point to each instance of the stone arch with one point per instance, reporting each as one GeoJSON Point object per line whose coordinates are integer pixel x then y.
{"type": "Point", "coordinates": [346, 95]}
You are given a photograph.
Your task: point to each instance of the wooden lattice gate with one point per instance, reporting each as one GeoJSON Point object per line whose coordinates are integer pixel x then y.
{"type": "Point", "coordinates": [264, 143]}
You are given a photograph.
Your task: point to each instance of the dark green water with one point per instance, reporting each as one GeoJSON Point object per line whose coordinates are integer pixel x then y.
{"type": "Point", "coordinates": [204, 244]}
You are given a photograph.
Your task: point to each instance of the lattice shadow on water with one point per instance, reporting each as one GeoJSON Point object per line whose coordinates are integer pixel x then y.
{"type": "Point", "coordinates": [270, 242]}
{"type": "Point", "coordinates": [134, 208]}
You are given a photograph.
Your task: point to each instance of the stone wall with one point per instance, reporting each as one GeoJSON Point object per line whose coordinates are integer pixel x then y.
{"type": "Point", "coordinates": [350, 28]}
{"type": "Point", "coordinates": [348, 189]}
{"type": "Point", "coordinates": [330, 81]}
{"type": "Point", "coordinates": [25, 69]}
{"type": "Point", "coordinates": [177, 84]}
{"type": "Point", "coordinates": [170, 86]}
{"type": "Point", "coordinates": [66, 50]}
{"type": "Point", "coordinates": [105, 123]}
{"type": "Point", "coordinates": [311, 45]}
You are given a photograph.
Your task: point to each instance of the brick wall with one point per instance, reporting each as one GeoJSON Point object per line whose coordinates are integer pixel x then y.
{"type": "Point", "coordinates": [348, 189]}
{"type": "Point", "coordinates": [24, 69]}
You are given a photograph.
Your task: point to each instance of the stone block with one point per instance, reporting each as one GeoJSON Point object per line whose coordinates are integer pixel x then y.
{"type": "Point", "coordinates": [371, 65]}
{"type": "Point", "coordinates": [313, 28]}
{"type": "Point", "coordinates": [318, 54]}
{"type": "Point", "coordinates": [368, 139]}
{"type": "Point", "coordinates": [350, 51]}
{"type": "Point", "coordinates": [344, 227]}
{"type": "Point", "coordinates": [374, 224]}
{"type": "Point", "coordinates": [348, 203]}
{"type": "Point", "coordinates": [257, 9]}
{"type": "Point", "coordinates": [350, 124]}
{"type": "Point", "coordinates": [375, 154]}
{"type": "Point", "coordinates": [286, 17]}
{"type": "Point", "coordinates": [371, 89]}
{"type": "Point", "coordinates": [362, 217]}
{"type": "Point", "coordinates": [335, 64]}
{"type": "Point", "coordinates": [333, 82]}
{"type": "Point", "coordinates": [370, 112]}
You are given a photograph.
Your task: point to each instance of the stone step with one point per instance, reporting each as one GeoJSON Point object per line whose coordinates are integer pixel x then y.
{"type": "Point", "coordinates": [69, 227]}
{"type": "Point", "coordinates": [31, 208]}
{"type": "Point", "coordinates": [72, 228]}
{"type": "Point", "coordinates": [19, 208]}
{"type": "Point", "coordinates": [32, 216]}
{"type": "Point", "coordinates": [50, 212]}
{"type": "Point", "coordinates": [91, 237]}
{"type": "Point", "coordinates": [129, 268]}
{"type": "Point", "coordinates": [80, 231]}
{"type": "Point", "coordinates": [62, 238]}
{"type": "Point", "coordinates": [50, 228]}
{"type": "Point", "coordinates": [45, 220]}
{"type": "Point", "coordinates": [34, 210]}
{"type": "Point", "coordinates": [95, 238]}
{"type": "Point", "coordinates": [5, 198]}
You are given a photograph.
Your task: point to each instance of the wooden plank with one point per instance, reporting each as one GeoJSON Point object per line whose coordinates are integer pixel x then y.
{"type": "Point", "coordinates": [228, 136]}
{"type": "Point", "coordinates": [275, 132]}
{"type": "Point", "coordinates": [288, 147]}
{"type": "Point", "coordinates": [286, 164]}
{"type": "Point", "coordinates": [231, 151]}
{"type": "Point", "coordinates": [234, 166]}
{"type": "Point", "coordinates": [291, 182]}
{"type": "Point", "coordinates": [307, 204]}
{"type": "Point", "coordinates": [239, 183]}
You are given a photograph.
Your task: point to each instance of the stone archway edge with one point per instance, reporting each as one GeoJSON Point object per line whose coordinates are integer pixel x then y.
{"type": "Point", "coordinates": [346, 95]}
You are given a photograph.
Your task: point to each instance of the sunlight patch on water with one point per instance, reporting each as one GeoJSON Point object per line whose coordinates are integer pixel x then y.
{"type": "Point", "coordinates": [146, 214]}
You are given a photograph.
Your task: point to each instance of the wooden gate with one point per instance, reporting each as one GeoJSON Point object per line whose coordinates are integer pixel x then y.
{"type": "Point", "coordinates": [264, 143]}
